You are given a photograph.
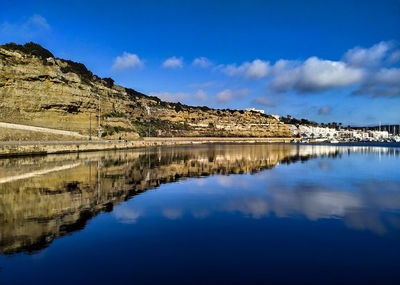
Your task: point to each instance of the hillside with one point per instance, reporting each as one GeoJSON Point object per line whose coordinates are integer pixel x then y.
{"type": "Point", "coordinates": [38, 89]}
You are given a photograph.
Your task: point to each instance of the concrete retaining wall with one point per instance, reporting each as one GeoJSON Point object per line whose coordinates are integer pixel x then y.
{"type": "Point", "coordinates": [25, 148]}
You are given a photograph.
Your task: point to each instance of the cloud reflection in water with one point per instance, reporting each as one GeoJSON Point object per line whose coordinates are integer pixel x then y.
{"type": "Point", "coordinates": [373, 205]}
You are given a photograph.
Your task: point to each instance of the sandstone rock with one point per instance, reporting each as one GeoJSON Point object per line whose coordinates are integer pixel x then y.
{"type": "Point", "coordinates": [56, 93]}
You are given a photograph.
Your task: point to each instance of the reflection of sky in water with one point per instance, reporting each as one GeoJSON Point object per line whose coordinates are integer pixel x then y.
{"type": "Point", "coordinates": [361, 189]}
{"type": "Point", "coordinates": [326, 220]}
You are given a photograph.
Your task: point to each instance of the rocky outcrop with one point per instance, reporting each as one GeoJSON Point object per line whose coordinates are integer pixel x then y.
{"type": "Point", "coordinates": [55, 93]}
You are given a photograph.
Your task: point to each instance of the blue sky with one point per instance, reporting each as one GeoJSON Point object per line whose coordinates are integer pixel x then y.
{"type": "Point", "coordinates": [321, 60]}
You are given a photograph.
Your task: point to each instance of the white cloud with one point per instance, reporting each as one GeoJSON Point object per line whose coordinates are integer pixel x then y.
{"type": "Point", "coordinates": [206, 84]}
{"type": "Point", "coordinates": [200, 213]}
{"type": "Point", "coordinates": [172, 214]}
{"type": "Point", "coordinates": [228, 95]}
{"type": "Point", "coordinates": [264, 101]}
{"type": "Point", "coordinates": [374, 71]}
{"type": "Point", "coordinates": [314, 75]}
{"type": "Point", "coordinates": [233, 69]}
{"type": "Point", "coordinates": [258, 69]}
{"type": "Point", "coordinates": [170, 97]}
{"type": "Point", "coordinates": [38, 21]}
{"type": "Point", "coordinates": [225, 181]}
{"type": "Point", "coordinates": [225, 95]}
{"type": "Point", "coordinates": [389, 76]}
{"type": "Point", "coordinates": [34, 27]}
{"type": "Point", "coordinates": [378, 91]}
{"type": "Point", "coordinates": [173, 62]}
{"type": "Point", "coordinates": [126, 215]}
{"type": "Point", "coordinates": [325, 110]}
{"type": "Point", "coordinates": [367, 56]}
{"type": "Point", "coordinates": [382, 79]}
{"type": "Point", "coordinates": [202, 62]}
{"type": "Point", "coordinates": [255, 70]}
{"type": "Point", "coordinates": [200, 95]}
{"type": "Point", "coordinates": [384, 82]}
{"type": "Point", "coordinates": [394, 57]}
{"type": "Point", "coordinates": [127, 60]}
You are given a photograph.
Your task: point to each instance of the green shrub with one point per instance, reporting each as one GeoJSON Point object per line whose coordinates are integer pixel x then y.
{"type": "Point", "coordinates": [109, 82]}
{"type": "Point", "coordinates": [204, 108]}
{"type": "Point", "coordinates": [30, 48]}
{"type": "Point", "coordinates": [178, 107]}
{"type": "Point", "coordinates": [133, 94]}
{"type": "Point", "coordinates": [118, 129]}
{"type": "Point", "coordinates": [76, 67]}
{"type": "Point", "coordinates": [114, 115]}
{"type": "Point", "coordinates": [164, 104]}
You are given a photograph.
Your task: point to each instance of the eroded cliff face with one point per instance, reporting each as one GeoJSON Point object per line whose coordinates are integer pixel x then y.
{"type": "Point", "coordinates": [56, 93]}
{"type": "Point", "coordinates": [42, 198]}
{"type": "Point", "coordinates": [37, 92]}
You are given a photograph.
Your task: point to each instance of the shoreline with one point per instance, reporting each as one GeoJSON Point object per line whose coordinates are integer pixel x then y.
{"type": "Point", "coordinates": [26, 148]}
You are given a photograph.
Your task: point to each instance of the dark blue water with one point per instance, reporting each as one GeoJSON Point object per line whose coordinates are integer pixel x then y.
{"type": "Point", "coordinates": [219, 214]}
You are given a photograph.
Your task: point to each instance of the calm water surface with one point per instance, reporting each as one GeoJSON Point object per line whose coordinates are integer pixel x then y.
{"type": "Point", "coordinates": [217, 214]}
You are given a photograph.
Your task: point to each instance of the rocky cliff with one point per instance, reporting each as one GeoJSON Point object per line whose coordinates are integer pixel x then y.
{"type": "Point", "coordinates": [40, 90]}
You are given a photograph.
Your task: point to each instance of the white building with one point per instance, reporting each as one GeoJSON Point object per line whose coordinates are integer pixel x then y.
{"type": "Point", "coordinates": [317, 132]}
{"type": "Point", "coordinates": [255, 110]}
{"type": "Point", "coordinates": [379, 134]}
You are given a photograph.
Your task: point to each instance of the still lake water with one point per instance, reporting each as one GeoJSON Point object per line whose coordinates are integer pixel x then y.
{"type": "Point", "coordinates": [210, 214]}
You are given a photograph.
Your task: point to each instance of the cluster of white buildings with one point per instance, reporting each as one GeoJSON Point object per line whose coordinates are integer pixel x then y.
{"type": "Point", "coordinates": [325, 133]}
{"type": "Point", "coordinates": [307, 132]}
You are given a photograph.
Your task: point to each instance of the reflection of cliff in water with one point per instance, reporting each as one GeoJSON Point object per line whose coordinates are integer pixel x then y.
{"type": "Point", "coordinates": [43, 198]}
